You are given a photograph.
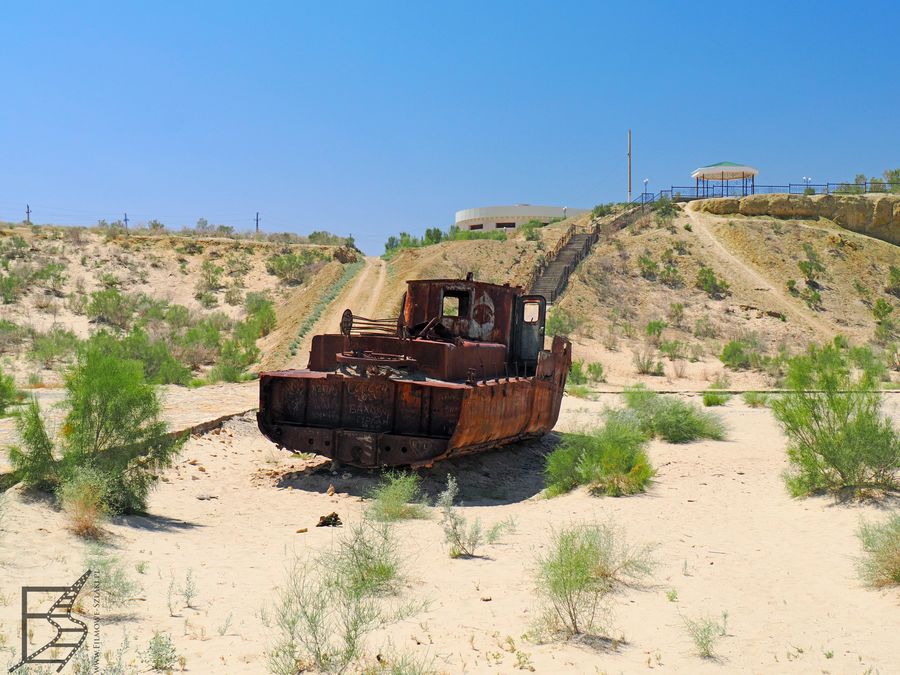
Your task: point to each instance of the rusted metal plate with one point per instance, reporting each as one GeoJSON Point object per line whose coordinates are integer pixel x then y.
{"type": "Point", "coordinates": [465, 385]}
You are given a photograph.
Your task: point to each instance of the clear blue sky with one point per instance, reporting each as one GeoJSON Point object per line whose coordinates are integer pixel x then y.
{"type": "Point", "coordinates": [371, 118]}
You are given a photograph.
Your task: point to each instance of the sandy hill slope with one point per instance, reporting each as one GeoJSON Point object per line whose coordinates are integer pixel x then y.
{"type": "Point", "coordinates": [611, 301]}
{"type": "Point", "coordinates": [48, 275]}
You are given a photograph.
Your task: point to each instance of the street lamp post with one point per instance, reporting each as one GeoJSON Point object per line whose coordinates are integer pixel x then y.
{"type": "Point", "coordinates": [806, 181]}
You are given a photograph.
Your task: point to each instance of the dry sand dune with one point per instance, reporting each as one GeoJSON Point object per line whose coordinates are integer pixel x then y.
{"type": "Point", "coordinates": [727, 538]}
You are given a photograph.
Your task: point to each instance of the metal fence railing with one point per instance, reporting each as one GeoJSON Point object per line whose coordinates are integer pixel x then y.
{"type": "Point", "coordinates": [710, 191]}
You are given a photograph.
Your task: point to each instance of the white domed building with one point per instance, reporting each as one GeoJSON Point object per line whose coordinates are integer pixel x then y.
{"type": "Point", "coordinates": [511, 217]}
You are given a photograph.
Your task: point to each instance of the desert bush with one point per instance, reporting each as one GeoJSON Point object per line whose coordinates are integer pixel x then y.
{"type": "Point", "coordinates": [812, 267]}
{"type": "Point", "coordinates": [654, 330]}
{"type": "Point", "coordinates": [705, 632]}
{"type": "Point", "coordinates": [676, 313]}
{"type": "Point", "coordinates": [736, 355]}
{"type": "Point", "coordinates": [327, 607]}
{"type": "Point", "coordinates": [648, 266]}
{"type": "Point", "coordinates": [109, 306]}
{"type": "Point", "coordinates": [465, 539]}
{"type": "Point", "coordinates": [838, 437]}
{"type": "Point", "coordinates": [562, 322]}
{"type": "Point", "coordinates": [83, 496]}
{"type": "Point", "coordinates": [881, 543]}
{"type": "Point", "coordinates": [709, 283]}
{"type": "Point", "coordinates": [704, 328]}
{"type": "Point", "coordinates": [234, 295]}
{"type": "Point", "coordinates": [260, 313]}
{"type": "Point", "coordinates": [675, 350]}
{"type": "Point", "coordinates": [893, 284]}
{"type": "Point", "coordinates": [670, 276]}
{"type": "Point", "coordinates": [581, 566]}
{"type": "Point", "coordinates": [112, 424]}
{"type": "Point", "coordinates": [577, 375]}
{"type": "Point", "coordinates": [158, 363]}
{"type": "Point", "coordinates": [756, 399]}
{"type": "Point", "coordinates": [812, 298]}
{"type": "Point", "coordinates": [12, 285]}
{"type": "Point", "coordinates": [33, 462]}
{"type": "Point", "coordinates": [646, 363]}
{"type": "Point", "coordinates": [595, 372]}
{"type": "Point", "coordinates": [293, 268]}
{"type": "Point", "coordinates": [54, 346]}
{"type": "Point", "coordinates": [397, 497]}
{"type": "Point", "coordinates": [160, 653]}
{"type": "Point", "coordinates": [712, 398]}
{"type": "Point", "coordinates": [609, 459]}
{"type": "Point", "coordinates": [9, 393]}
{"type": "Point", "coordinates": [671, 418]}
{"type": "Point", "coordinates": [11, 335]}
{"type": "Point", "coordinates": [111, 586]}
{"type": "Point", "coordinates": [210, 277]}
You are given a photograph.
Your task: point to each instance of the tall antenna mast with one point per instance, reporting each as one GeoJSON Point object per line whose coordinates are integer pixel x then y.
{"type": "Point", "coordinates": [629, 166]}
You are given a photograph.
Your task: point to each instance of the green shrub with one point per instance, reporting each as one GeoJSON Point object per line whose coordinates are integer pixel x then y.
{"type": "Point", "coordinates": [9, 393]}
{"type": "Point", "coordinates": [294, 267]}
{"type": "Point", "coordinates": [111, 586]}
{"type": "Point", "coordinates": [756, 399]}
{"type": "Point", "coordinates": [671, 418]}
{"type": "Point", "coordinates": [705, 632]}
{"type": "Point", "coordinates": [609, 459]}
{"type": "Point", "coordinates": [576, 373]}
{"type": "Point", "coordinates": [736, 355]}
{"type": "Point", "coordinates": [578, 390]}
{"type": "Point", "coordinates": [704, 328]}
{"type": "Point", "coordinates": [654, 330]}
{"type": "Point", "coordinates": [648, 266]}
{"type": "Point", "coordinates": [595, 372]}
{"type": "Point", "coordinates": [160, 366]}
{"type": "Point", "coordinates": [881, 544]}
{"type": "Point", "coordinates": [675, 350]}
{"type": "Point", "coordinates": [11, 286]}
{"type": "Point", "coordinates": [463, 538]}
{"type": "Point", "coordinates": [260, 313]}
{"type": "Point", "coordinates": [838, 438]}
{"type": "Point", "coordinates": [646, 363]}
{"type": "Point", "coordinates": [676, 313]}
{"type": "Point", "coordinates": [54, 346]}
{"type": "Point", "coordinates": [83, 496]}
{"type": "Point", "coordinates": [562, 322]}
{"type": "Point", "coordinates": [160, 653]}
{"type": "Point", "coordinates": [33, 462]}
{"type": "Point", "coordinates": [709, 283]}
{"type": "Point", "coordinates": [328, 606]}
{"type": "Point", "coordinates": [11, 336]}
{"type": "Point", "coordinates": [109, 306]}
{"type": "Point", "coordinates": [582, 565]}
{"type": "Point", "coordinates": [397, 498]}
{"type": "Point", "coordinates": [893, 285]}
{"type": "Point", "coordinates": [811, 268]}
{"type": "Point", "coordinates": [713, 398]}
{"type": "Point", "coordinates": [210, 276]}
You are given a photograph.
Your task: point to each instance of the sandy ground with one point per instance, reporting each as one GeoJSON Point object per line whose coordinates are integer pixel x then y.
{"type": "Point", "coordinates": [727, 538]}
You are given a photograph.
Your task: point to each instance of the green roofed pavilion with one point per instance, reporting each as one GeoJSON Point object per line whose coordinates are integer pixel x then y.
{"type": "Point", "coordinates": [723, 173]}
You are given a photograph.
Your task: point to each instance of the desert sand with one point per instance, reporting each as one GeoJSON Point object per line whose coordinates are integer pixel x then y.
{"type": "Point", "coordinates": [727, 538]}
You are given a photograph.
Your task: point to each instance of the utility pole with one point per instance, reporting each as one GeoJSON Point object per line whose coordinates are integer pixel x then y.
{"type": "Point", "coordinates": [629, 166]}
{"type": "Point", "coordinates": [28, 214]}
{"type": "Point", "coordinates": [126, 222]}
{"type": "Point", "coordinates": [257, 222]}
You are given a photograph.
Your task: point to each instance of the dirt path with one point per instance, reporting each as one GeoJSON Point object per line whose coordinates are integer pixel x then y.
{"type": "Point", "coordinates": [739, 269]}
{"type": "Point", "coordinates": [361, 295]}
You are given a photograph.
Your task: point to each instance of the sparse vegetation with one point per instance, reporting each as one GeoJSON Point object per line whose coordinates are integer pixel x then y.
{"type": "Point", "coordinates": [9, 393]}
{"type": "Point", "coordinates": [646, 363]}
{"type": "Point", "coordinates": [838, 437]}
{"type": "Point", "coordinates": [562, 322]}
{"type": "Point", "coordinates": [706, 632]}
{"type": "Point", "coordinates": [112, 584]}
{"type": "Point", "coordinates": [609, 459]}
{"type": "Point", "coordinates": [582, 565]}
{"type": "Point", "coordinates": [83, 496]}
{"type": "Point", "coordinates": [160, 653]}
{"type": "Point", "coordinates": [397, 498]}
{"type": "Point", "coordinates": [712, 397]}
{"type": "Point", "coordinates": [714, 286]}
{"type": "Point", "coordinates": [756, 399]}
{"type": "Point", "coordinates": [463, 538]}
{"type": "Point", "coordinates": [671, 418]}
{"type": "Point", "coordinates": [880, 566]}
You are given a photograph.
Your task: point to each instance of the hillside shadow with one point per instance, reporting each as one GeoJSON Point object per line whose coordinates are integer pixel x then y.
{"type": "Point", "coordinates": [505, 475]}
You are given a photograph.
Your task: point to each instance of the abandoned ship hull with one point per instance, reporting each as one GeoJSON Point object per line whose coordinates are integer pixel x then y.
{"type": "Point", "coordinates": [379, 422]}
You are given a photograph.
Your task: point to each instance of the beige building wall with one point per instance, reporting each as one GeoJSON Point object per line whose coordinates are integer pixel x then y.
{"type": "Point", "coordinates": [511, 217]}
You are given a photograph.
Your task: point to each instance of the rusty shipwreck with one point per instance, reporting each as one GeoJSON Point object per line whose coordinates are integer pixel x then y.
{"type": "Point", "coordinates": [462, 369]}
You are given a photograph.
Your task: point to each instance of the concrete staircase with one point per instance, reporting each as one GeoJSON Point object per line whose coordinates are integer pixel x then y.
{"type": "Point", "coordinates": [574, 247]}
{"type": "Point", "coordinates": [553, 279]}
